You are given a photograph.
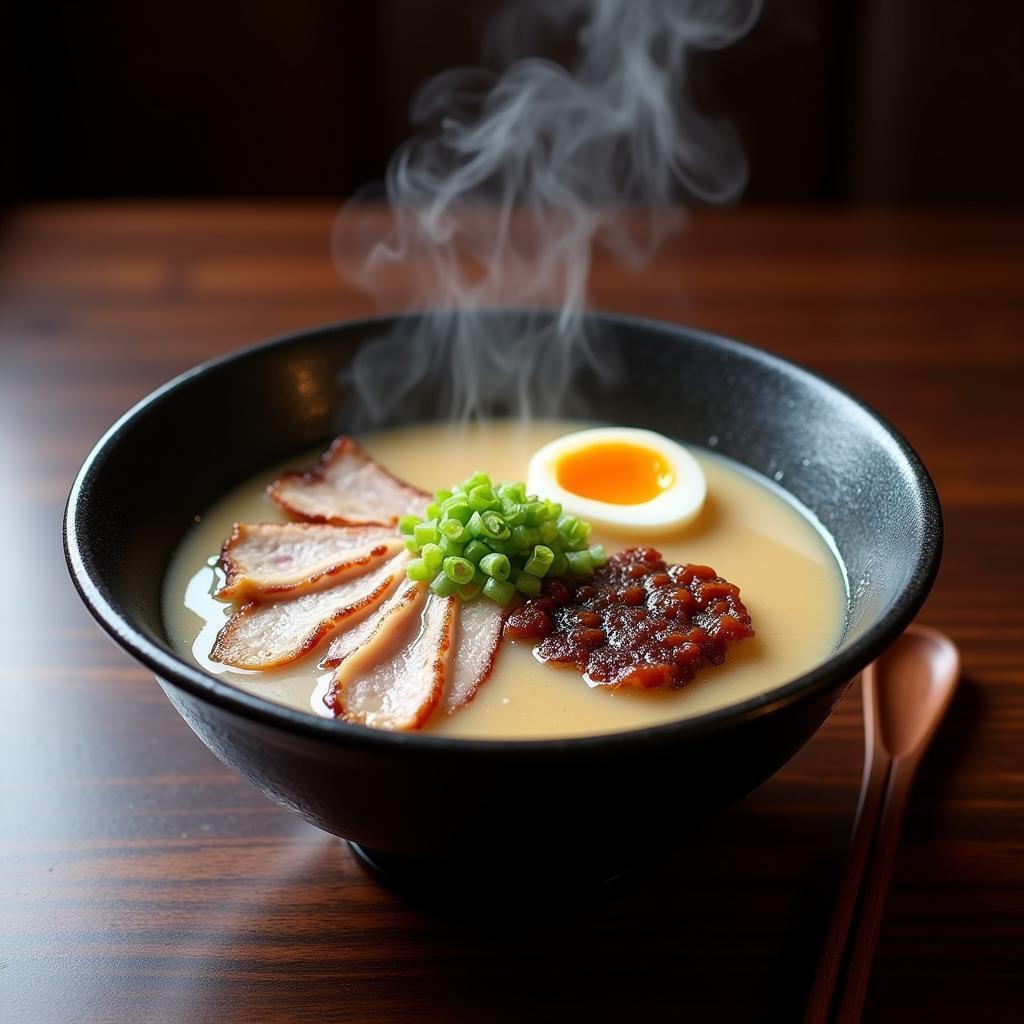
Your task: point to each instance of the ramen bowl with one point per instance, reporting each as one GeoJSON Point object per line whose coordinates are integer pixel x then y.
{"type": "Point", "coordinates": [443, 808]}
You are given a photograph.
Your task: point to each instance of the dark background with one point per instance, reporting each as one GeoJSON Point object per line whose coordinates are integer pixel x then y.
{"type": "Point", "coordinates": [914, 101]}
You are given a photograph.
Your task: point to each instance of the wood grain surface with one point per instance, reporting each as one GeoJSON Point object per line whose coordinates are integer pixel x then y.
{"type": "Point", "coordinates": [142, 881]}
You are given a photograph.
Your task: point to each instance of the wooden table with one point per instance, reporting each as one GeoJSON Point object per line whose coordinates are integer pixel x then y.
{"type": "Point", "coordinates": [141, 880]}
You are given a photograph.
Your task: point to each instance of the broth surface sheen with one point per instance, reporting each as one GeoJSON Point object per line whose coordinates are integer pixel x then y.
{"type": "Point", "coordinates": [749, 531]}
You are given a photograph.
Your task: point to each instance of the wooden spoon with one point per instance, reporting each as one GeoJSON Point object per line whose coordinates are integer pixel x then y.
{"type": "Point", "coordinates": [906, 693]}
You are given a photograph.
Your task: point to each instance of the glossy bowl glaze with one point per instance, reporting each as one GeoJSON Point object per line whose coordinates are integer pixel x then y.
{"type": "Point", "coordinates": [578, 807]}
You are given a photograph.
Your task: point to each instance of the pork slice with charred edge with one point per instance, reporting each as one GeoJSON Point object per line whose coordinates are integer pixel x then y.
{"type": "Point", "coordinates": [374, 628]}
{"type": "Point", "coordinates": [478, 636]}
{"type": "Point", "coordinates": [347, 488]}
{"type": "Point", "coordinates": [264, 635]}
{"type": "Point", "coordinates": [397, 683]}
{"type": "Point", "coordinates": [283, 559]}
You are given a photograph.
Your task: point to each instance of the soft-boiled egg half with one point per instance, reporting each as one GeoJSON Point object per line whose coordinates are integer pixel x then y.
{"type": "Point", "coordinates": [620, 477]}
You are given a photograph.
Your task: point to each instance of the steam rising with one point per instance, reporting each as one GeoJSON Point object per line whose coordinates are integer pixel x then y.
{"type": "Point", "coordinates": [514, 180]}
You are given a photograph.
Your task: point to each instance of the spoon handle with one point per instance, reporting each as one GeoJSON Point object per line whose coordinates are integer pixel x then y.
{"type": "Point", "coordinates": [872, 794]}
{"type": "Point", "coordinates": [869, 919]}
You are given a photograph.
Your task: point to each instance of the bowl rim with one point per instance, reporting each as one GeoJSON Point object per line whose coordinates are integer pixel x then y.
{"type": "Point", "coordinates": [837, 669]}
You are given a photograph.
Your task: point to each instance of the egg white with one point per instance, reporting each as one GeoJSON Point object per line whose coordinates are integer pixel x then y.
{"type": "Point", "coordinates": [672, 509]}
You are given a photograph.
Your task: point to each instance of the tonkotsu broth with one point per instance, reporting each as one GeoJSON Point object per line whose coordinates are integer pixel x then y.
{"type": "Point", "coordinates": [789, 580]}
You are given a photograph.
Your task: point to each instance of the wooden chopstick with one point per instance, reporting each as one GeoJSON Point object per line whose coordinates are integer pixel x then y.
{"type": "Point", "coordinates": [895, 742]}
{"type": "Point", "coordinates": [874, 786]}
{"type": "Point", "coordinates": [861, 945]}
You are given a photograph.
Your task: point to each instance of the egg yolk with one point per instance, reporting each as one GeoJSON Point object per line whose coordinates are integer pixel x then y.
{"type": "Point", "coordinates": [616, 473]}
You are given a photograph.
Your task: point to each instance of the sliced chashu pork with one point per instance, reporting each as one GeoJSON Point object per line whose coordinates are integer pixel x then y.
{"type": "Point", "coordinates": [274, 559]}
{"type": "Point", "coordinates": [376, 626]}
{"type": "Point", "coordinates": [264, 635]}
{"type": "Point", "coordinates": [347, 488]}
{"type": "Point", "coordinates": [398, 677]}
{"type": "Point", "coordinates": [477, 638]}
{"type": "Point", "coordinates": [400, 652]}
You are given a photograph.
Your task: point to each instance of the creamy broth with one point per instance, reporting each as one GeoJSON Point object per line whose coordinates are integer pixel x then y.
{"type": "Point", "coordinates": [753, 535]}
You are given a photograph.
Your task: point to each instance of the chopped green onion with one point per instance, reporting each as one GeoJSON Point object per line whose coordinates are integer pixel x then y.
{"type": "Point", "coordinates": [457, 508]}
{"type": "Point", "coordinates": [475, 550]}
{"type": "Point", "coordinates": [495, 538]}
{"type": "Point", "coordinates": [459, 514]}
{"type": "Point", "coordinates": [560, 565]}
{"type": "Point", "coordinates": [540, 561]}
{"type": "Point", "coordinates": [450, 548]}
{"type": "Point", "coordinates": [536, 513]}
{"type": "Point", "coordinates": [417, 569]}
{"type": "Point", "coordinates": [496, 566]}
{"type": "Point", "coordinates": [433, 556]}
{"type": "Point", "coordinates": [488, 526]}
{"type": "Point", "coordinates": [567, 525]}
{"type": "Point", "coordinates": [524, 537]}
{"type": "Point", "coordinates": [444, 586]}
{"type": "Point", "coordinates": [459, 569]}
{"type": "Point", "coordinates": [425, 533]}
{"type": "Point", "coordinates": [548, 532]}
{"type": "Point", "coordinates": [499, 591]}
{"type": "Point", "coordinates": [483, 499]}
{"type": "Point", "coordinates": [572, 531]}
{"type": "Point", "coordinates": [512, 513]}
{"type": "Point", "coordinates": [528, 585]}
{"type": "Point", "coordinates": [580, 563]}
{"type": "Point", "coordinates": [495, 527]}
{"type": "Point", "coordinates": [515, 492]}
{"type": "Point", "coordinates": [454, 530]}
{"type": "Point", "coordinates": [478, 479]}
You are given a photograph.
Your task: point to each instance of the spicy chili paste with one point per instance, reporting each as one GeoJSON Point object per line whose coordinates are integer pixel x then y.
{"type": "Point", "coordinates": [638, 622]}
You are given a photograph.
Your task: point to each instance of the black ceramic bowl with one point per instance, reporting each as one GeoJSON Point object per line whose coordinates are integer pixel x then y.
{"type": "Point", "coordinates": [582, 806]}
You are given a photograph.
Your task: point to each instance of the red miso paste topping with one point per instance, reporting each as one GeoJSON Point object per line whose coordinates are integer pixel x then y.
{"type": "Point", "coordinates": [638, 622]}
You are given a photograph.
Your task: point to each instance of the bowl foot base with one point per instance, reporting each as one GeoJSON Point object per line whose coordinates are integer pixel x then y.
{"type": "Point", "coordinates": [467, 892]}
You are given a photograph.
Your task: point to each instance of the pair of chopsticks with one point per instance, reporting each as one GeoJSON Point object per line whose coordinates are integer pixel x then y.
{"type": "Point", "coordinates": [901, 715]}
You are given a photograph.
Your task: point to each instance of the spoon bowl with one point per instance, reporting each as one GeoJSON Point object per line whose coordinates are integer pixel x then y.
{"type": "Point", "coordinates": [910, 687]}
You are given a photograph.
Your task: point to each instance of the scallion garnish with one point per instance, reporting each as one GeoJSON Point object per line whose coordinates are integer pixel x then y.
{"type": "Point", "coordinates": [499, 591]}
{"type": "Point", "coordinates": [425, 533]}
{"type": "Point", "coordinates": [444, 586]}
{"type": "Point", "coordinates": [528, 585]}
{"type": "Point", "coordinates": [433, 556]}
{"type": "Point", "coordinates": [459, 569]}
{"type": "Point", "coordinates": [494, 538]}
{"type": "Point", "coordinates": [496, 565]}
